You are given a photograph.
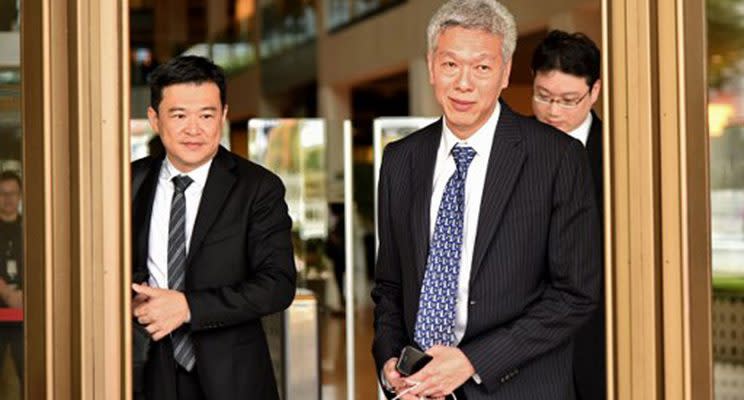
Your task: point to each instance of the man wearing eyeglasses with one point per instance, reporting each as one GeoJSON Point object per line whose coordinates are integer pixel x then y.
{"type": "Point", "coordinates": [566, 85]}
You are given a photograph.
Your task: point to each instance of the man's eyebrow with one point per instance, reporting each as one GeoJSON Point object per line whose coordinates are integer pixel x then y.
{"type": "Point", "coordinates": [178, 108]}
{"type": "Point", "coordinates": [543, 89]}
{"type": "Point", "coordinates": [479, 56]}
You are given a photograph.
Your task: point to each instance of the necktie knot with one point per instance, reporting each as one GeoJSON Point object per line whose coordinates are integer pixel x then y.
{"type": "Point", "coordinates": [181, 182]}
{"type": "Point", "coordinates": [463, 156]}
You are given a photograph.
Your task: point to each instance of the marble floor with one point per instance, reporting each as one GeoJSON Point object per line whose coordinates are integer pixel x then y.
{"type": "Point", "coordinates": [333, 356]}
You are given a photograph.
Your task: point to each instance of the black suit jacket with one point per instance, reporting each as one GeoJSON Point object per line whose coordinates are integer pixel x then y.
{"type": "Point", "coordinates": [589, 348]}
{"type": "Point", "coordinates": [536, 266]}
{"type": "Point", "coordinates": [240, 267]}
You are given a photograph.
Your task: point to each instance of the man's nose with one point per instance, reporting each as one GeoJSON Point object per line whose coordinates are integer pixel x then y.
{"type": "Point", "coordinates": [554, 108]}
{"type": "Point", "coordinates": [464, 80]}
{"type": "Point", "coordinates": [192, 125]}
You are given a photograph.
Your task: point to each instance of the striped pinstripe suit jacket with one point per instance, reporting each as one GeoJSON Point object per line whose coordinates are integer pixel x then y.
{"type": "Point", "coordinates": [536, 269]}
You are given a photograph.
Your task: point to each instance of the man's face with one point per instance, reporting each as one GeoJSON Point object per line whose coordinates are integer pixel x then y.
{"type": "Point", "coordinates": [10, 197]}
{"type": "Point", "coordinates": [567, 89]}
{"type": "Point", "coordinates": [468, 74]}
{"type": "Point", "coordinates": [189, 120]}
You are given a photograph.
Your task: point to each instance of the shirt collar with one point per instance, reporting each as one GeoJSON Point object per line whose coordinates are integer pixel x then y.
{"type": "Point", "coordinates": [480, 141]}
{"type": "Point", "coordinates": [582, 131]}
{"type": "Point", "coordinates": [198, 174]}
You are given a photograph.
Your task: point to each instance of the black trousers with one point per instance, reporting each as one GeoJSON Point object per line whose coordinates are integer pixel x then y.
{"type": "Point", "coordinates": [11, 336]}
{"type": "Point", "coordinates": [166, 380]}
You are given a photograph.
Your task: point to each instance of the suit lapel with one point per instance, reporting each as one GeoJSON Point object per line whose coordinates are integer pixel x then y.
{"type": "Point", "coordinates": [504, 167]}
{"type": "Point", "coordinates": [142, 211]}
{"type": "Point", "coordinates": [594, 141]}
{"type": "Point", "coordinates": [423, 163]}
{"type": "Point", "coordinates": [594, 150]}
{"type": "Point", "coordinates": [218, 186]}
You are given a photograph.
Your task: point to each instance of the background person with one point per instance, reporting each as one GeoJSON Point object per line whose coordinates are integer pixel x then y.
{"type": "Point", "coordinates": [566, 86]}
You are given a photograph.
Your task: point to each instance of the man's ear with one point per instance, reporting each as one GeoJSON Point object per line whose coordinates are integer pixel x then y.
{"type": "Point", "coordinates": [596, 88]}
{"type": "Point", "coordinates": [430, 66]}
{"type": "Point", "coordinates": [152, 117]}
{"type": "Point", "coordinates": [507, 74]}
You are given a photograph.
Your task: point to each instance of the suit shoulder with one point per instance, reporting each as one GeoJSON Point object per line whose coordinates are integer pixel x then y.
{"type": "Point", "coordinates": [544, 136]}
{"type": "Point", "coordinates": [422, 134]}
{"type": "Point", "coordinates": [250, 170]}
{"type": "Point", "coordinates": [143, 163]}
{"type": "Point", "coordinates": [415, 139]}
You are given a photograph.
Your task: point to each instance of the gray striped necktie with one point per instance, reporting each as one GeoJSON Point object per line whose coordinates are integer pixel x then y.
{"type": "Point", "coordinates": [183, 347]}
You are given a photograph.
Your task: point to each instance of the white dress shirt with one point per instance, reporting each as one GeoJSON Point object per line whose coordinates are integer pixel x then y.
{"type": "Point", "coordinates": [445, 166]}
{"type": "Point", "coordinates": [157, 257]}
{"type": "Point", "coordinates": [582, 131]}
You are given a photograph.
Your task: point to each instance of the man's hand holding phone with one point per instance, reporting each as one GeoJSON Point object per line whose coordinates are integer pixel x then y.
{"type": "Point", "coordinates": [395, 370]}
{"type": "Point", "coordinates": [393, 381]}
{"type": "Point", "coordinates": [447, 370]}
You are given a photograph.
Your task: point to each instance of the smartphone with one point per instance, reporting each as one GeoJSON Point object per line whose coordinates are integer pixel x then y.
{"type": "Point", "coordinates": [411, 360]}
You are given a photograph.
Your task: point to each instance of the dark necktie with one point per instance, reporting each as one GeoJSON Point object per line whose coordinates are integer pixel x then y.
{"type": "Point", "coordinates": [183, 347]}
{"type": "Point", "coordinates": [435, 320]}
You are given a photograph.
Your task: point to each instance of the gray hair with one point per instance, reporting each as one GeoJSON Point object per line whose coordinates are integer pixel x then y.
{"type": "Point", "coordinates": [486, 15]}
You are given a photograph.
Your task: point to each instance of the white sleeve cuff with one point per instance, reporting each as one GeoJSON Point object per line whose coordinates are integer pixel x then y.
{"type": "Point", "coordinates": [477, 379]}
{"type": "Point", "coordinates": [385, 384]}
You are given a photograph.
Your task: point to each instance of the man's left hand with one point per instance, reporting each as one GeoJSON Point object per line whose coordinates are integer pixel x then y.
{"type": "Point", "coordinates": [163, 312]}
{"type": "Point", "coordinates": [447, 371]}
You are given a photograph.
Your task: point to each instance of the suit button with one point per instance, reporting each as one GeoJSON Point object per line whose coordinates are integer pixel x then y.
{"type": "Point", "coordinates": [472, 302]}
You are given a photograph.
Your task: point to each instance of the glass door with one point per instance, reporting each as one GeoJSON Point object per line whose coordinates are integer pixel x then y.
{"type": "Point", "coordinates": [11, 207]}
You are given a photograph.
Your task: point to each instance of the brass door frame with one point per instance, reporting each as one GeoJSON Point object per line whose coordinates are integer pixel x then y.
{"type": "Point", "coordinates": [657, 193]}
{"type": "Point", "coordinates": [76, 191]}
{"type": "Point", "coordinates": [76, 144]}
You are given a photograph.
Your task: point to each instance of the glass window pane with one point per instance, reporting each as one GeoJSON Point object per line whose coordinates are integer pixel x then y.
{"type": "Point", "coordinates": [346, 12]}
{"type": "Point", "coordinates": [11, 207]}
{"type": "Point", "coordinates": [294, 149]}
{"type": "Point", "coordinates": [726, 126]}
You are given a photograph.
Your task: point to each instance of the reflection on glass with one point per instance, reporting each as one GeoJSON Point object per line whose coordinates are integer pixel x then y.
{"type": "Point", "coordinates": [390, 129]}
{"type": "Point", "coordinates": [726, 127]}
{"type": "Point", "coordinates": [285, 25]}
{"type": "Point", "coordinates": [10, 19]}
{"type": "Point", "coordinates": [295, 150]}
{"type": "Point", "coordinates": [141, 64]}
{"type": "Point", "coordinates": [345, 12]}
{"type": "Point", "coordinates": [231, 56]}
{"type": "Point", "coordinates": [11, 207]}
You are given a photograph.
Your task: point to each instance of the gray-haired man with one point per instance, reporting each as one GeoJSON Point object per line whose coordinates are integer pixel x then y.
{"type": "Point", "coordinates": [488, 229]}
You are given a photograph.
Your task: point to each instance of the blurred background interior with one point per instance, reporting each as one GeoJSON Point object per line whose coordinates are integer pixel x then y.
{"type": "Point", "coordinates": [301, 73]}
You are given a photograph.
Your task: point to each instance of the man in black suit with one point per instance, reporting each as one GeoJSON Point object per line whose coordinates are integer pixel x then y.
{"type": "Point", "coordinates": [211, 242]}
{"type": "Point", "coordinates": [566, 86]}
{"type": "Point", "coordinates": [489, 257]}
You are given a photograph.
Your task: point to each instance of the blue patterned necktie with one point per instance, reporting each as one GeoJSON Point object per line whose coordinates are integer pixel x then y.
{"type": "Point", "coordinates": [183, 347]}
{"type": "Point", "coordinates": [435, 320]}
